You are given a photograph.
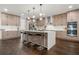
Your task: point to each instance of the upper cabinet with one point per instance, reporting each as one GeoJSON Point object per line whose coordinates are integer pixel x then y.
{"type": "Point", "coordinates": [11, 20]}
{"type": "Point", "coordinates": [4, 19]}
{"type": "Point", "coordinates": [73, 16]}
{"type": "Point", "coordinates": [18, 20]}
{"type": "Point", "coordinates": [60, 19]}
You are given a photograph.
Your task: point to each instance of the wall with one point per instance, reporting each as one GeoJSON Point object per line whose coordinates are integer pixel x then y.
{"type": "Point", "coordinates": [62, 20]}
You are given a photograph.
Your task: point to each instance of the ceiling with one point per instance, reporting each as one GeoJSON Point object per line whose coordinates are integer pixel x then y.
{"type": "Point", "coordinates": [47, 9]}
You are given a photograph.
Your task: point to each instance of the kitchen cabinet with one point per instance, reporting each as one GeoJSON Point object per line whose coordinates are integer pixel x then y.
{"type": "Point", "coordinates": [4, 19]}
{"type": "Point", "coordinates": [72, 16]}
{"type": "Point", "coordinates": [10, 25]}
{"type": "Point", "coordinates": [9, 34]}
{"type": "Point", "coordinates": [60, 19]}
{"type": "Point", "coordinates": [12, 20]}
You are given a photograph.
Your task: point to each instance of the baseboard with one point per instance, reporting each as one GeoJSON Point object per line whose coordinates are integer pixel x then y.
{"type": "Point", "coordinates": [71, 40]}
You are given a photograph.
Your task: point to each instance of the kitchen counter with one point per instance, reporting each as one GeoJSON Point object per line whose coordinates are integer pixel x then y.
{"type": "Point", "coordinates": [47, 40]}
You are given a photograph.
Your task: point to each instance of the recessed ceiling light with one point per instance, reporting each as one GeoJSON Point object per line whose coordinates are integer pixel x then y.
{"type": "Point", "coordinates": [5, 9]}
{"type": "Point", "coordinates": [70, 6]}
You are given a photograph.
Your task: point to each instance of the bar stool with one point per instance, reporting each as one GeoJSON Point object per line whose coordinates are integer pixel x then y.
{"type": "Point", "coordinates": [41, 46]}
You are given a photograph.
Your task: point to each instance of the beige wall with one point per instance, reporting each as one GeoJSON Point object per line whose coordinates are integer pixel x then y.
{"type": "Point", "coordinates": [62, 19]}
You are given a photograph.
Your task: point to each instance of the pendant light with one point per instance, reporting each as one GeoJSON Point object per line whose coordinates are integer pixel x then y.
{"type": "Point", "coordinates": [40, 10]}
{"type": "Point", "coordinates": [28, 18]}
{"type": "Point", "coordinates": [28, 15]}
{"type": "Point", "coordinates": [33, 15]}
{"type": "Point", "coordinates": [40, 14]}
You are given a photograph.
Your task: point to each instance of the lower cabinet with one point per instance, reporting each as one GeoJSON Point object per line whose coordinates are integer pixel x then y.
{"type": "Point", "coordinates": [9, 34]}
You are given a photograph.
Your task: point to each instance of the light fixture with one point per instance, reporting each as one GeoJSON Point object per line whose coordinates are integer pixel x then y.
{"type": "Point", "coordinates": [28, 18]}
{"type": "Point", "coordinates": [70, 6]}
{"type": "Point", "coordinates": [5, 9]}
{"type": "Point", "coordinates": [33, 12]}
{"type": "Point", "coordinates": [40, 10]}
{"type": "Point", "coordinates": [41, 18]}
{"type": "Point", "coordinates": [41, 14]}
{"type": "Point", "coordinates": [33, 15]}
{"type": "Point", "coordinates": [34, 20]}
{"type": "Point", "coordinates": [28, 14]}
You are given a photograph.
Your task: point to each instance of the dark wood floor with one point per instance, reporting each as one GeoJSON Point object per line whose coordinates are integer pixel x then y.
{"type": "Point", "coordinates": [15, 47]}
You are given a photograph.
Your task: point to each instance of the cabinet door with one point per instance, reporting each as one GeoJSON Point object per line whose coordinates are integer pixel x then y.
{"type": "Point", "coordinates": [9, 34]}
{"type": "Point", "coordinates": [17, 20]}
{"type": "Point", "coordinates": [12, 20]}
{"type": "Point", "coordinates": [56, 20]}
{"type": "Point", "coordinates": [4, 35]}
{"type": "Point", "coordinates": [72, 16]}
{"type": "Point", "coordinates": [12, 34]}
{"type": "Point", "coordinates": [60, 19]}
{"type": "Point", "coordinates": [4, 20]}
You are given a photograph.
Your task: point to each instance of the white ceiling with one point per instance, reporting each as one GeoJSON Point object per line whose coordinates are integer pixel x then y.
{"type": "Point", "coordinates": [47, 9]}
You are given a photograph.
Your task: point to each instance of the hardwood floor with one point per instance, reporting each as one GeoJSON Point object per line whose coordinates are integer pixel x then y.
{"type": "Point", "coordinates": [15, 47]}
{"type": "Point", "coordinates": [64, 47]}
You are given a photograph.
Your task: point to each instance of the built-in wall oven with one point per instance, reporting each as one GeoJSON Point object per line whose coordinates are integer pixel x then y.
{"type": "Point", "coordinates": [72, 28]}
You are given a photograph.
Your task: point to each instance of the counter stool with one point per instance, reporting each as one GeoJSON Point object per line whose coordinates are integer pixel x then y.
{"type": "Point", "coordinates": [25, 39]}
{"type": "Point", "coordinates": [41, 47]}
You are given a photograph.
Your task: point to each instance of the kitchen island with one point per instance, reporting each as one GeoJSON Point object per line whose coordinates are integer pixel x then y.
{"type": "Point", "coordinates": [45, 38]}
